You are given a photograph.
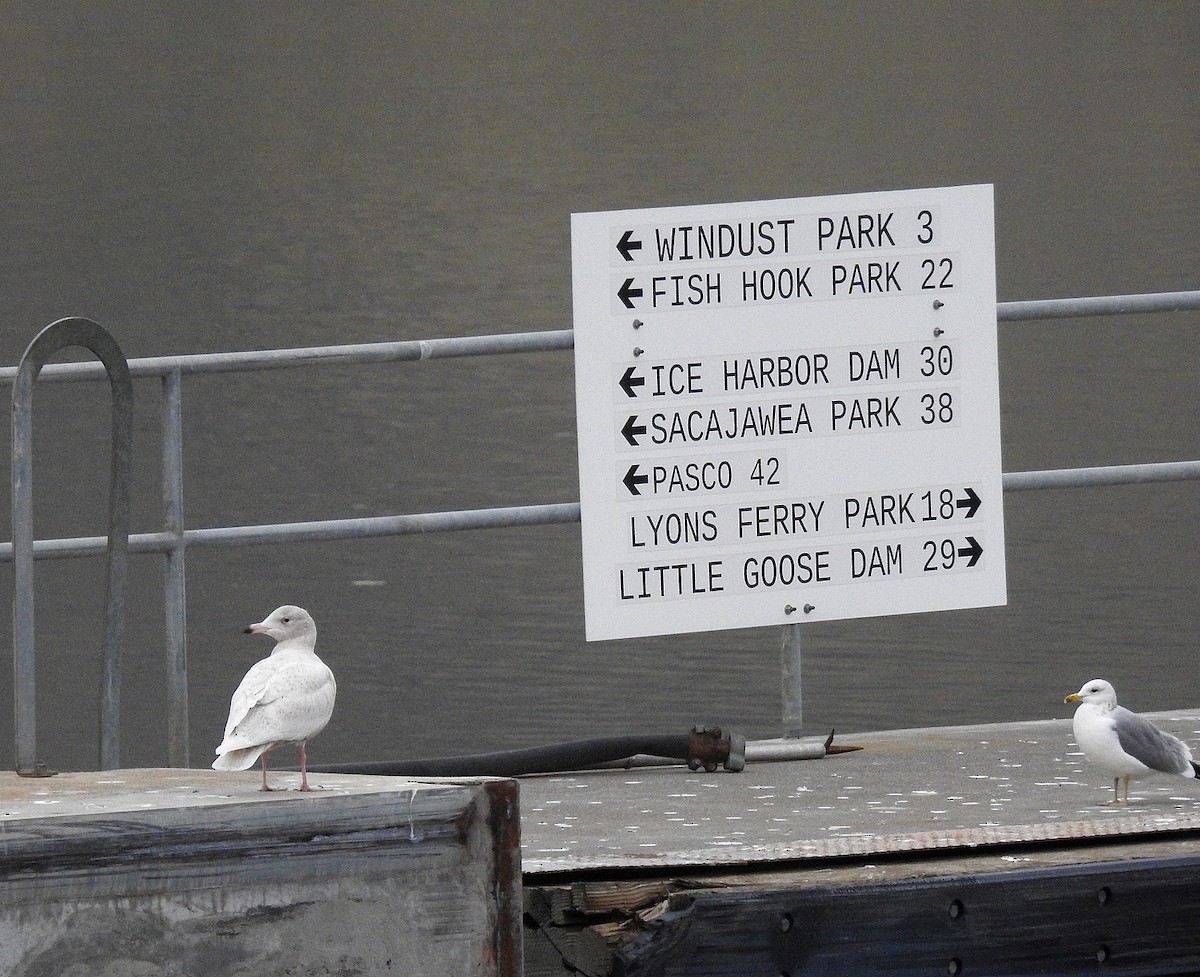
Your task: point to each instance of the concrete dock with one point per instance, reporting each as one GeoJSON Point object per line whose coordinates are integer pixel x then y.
{"type": "Point", "coordinates": [982, 849]}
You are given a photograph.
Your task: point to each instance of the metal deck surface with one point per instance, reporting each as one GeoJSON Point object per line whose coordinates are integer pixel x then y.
{"type": "Point", "coordinates": [938, 789]}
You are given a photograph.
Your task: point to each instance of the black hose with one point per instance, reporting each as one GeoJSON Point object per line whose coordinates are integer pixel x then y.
{"type": "Point", "coordinates": [576, 755]}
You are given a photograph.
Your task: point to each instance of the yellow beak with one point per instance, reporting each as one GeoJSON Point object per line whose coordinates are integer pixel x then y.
{"type": "Point", "coordinates": [1073, 697]}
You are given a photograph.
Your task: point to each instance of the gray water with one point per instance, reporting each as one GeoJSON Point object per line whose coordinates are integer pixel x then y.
{"type": "Point", "coordinates": [203, 177]}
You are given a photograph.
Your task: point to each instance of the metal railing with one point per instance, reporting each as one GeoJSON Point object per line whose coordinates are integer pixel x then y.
{"type": "Point", "coordinates": [54, 338]}
{"type": "Point", "coordinates": [174, 539]}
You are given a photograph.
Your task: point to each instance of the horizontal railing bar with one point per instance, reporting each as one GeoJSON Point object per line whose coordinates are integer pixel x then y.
{"type": "Point", "coordinates": [371, 527]}
{"type": "Point", "coordinates": [524, 515]}
{"type": "Point", "coordinates": [330, 529]}
{"type": "Point", "coordinates": [538, 342]}
{"type": "Point", "coordinates": [1097, 305]}
{"type": "Point", "coordinates": [1167, 471]}
{"type": "Point", "coordinates": [278, 359]}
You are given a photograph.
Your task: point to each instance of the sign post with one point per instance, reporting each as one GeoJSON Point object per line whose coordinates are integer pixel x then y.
{"type": "Point", "coordinates": [788, 411]}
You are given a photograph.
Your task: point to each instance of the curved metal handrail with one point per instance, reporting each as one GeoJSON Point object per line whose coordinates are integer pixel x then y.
{"type": "Point", "coordinates": [55, 337]}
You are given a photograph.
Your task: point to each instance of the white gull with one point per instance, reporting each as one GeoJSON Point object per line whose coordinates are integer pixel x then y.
{"type": "Point", "coordinates": [1123, 744]}
{"type": "Point", "coordinates": [284, 699]}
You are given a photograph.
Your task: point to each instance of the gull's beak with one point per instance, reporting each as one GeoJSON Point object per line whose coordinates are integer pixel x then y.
{"type": "Point", "coordinates": [1073, 697]}
{"type": "Point", "coordinates": [259, 628]}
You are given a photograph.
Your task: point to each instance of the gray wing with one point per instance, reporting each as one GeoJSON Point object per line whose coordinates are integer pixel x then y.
{"type": "Point", "coordinates": [1141, 739]}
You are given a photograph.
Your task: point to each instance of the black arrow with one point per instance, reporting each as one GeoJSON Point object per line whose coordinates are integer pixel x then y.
{"type": "Point", "coordinates": [627, 293]}
{"type": "Point", "coordinates": [625, 245]}
{"type": "Point", "coordinates": [971, 503]}
{"type": "Point", "coordinates": [632, 429]}
{"type": "Point", "coordinates": [632, 480]}
{"type": "Point", "coordinates": [973, 550]}
{"type": "Point", "coordinates": [629, 381]}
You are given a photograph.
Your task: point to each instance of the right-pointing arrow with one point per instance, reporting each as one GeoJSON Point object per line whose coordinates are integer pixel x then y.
{"type": "Point", "coordinates": [973, 550]}
{"type": "Point", "coordinates": [971, 503]}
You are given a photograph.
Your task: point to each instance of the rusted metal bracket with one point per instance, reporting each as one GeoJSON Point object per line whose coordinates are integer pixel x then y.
{"type": "Point", "coordinates": [709, 747]}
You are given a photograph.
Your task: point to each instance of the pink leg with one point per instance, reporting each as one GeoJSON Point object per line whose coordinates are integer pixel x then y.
{"type": "Point", "coordinates": [303, 769]}
{"type": "Point", "coordinates": [264, 768]}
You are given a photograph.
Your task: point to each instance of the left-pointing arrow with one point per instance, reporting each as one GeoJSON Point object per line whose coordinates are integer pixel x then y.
{"type": "Point", "coordinates": [625, 245]}
{"type": "Point", "coordinates": [973, 550]}
{"type": "Point", "coordinates": [627, 293]}
{"type": "Point", "coordinates": [632, 480]}
{"type": "Point", "coordinates": [632, 429]}
{"type": "Point", "coordinates": [629, 381]}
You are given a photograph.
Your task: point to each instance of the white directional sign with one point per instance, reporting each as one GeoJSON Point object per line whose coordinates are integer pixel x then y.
{"type": "Point", "coordinates": [788, 410]}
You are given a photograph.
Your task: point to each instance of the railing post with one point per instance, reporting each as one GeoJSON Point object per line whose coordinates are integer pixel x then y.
{"type": "Point", "coordinates": [793, 713]}
{"type": "Point", "coordinates": [174, 582]}
{"type": "Point", "coordinates": [57, 336]}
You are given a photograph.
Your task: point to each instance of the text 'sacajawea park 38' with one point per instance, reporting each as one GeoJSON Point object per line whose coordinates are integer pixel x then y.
{"type": "Point", "coordinates": [788, 410]}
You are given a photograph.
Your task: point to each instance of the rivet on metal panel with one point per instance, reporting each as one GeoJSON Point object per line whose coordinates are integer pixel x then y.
{"type": "Point", "coordinates": [809, 608]}
{"type": "Point", "coordinates": [1103, 953]}
{"type": "Point", "coordinates": [789, 609]}
{"type": "Point", "coordinates": [1104, 895]}
{"type": "Point", "coordinates": [938, 303]}
{"type": "Point", "coordinates": [956, 908]}
{"type": "Point", "coordinates": [785, 922]}
{"type": "Point", "coordinates": [954, 966]}
{"type": "Point", "coordinates": [638, 351]}
{"type": "Point", "coordinates": [637, 323]}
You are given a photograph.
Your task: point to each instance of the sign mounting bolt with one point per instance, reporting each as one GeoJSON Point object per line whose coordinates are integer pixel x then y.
{"type": "Point", "coordinates": [938, 303]}
{"type": "Point", "coordinates": [637, 323]}
{"type": "Point", "coordinates": [638, 351]}
{"type": "Point", "coordinates": [789, 609]}
{"type": "Point", "coordinates": [939, 331]}
{"type": "Point", "coordinates": [809, 608]}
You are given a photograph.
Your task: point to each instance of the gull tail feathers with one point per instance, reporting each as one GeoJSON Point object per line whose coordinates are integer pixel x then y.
{"type": "Point", "coordinates": [242, 759]}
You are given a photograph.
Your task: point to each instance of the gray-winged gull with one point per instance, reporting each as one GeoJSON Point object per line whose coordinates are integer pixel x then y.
{"type": "Point", "coordinates": [1122, 743]}
{"type": "Point", "coordinates": [284, 699]}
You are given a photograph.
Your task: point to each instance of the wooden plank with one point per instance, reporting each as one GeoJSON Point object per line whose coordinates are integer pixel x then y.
{"type": "Point", "coordinates": [627, 896]}
{"type": "Point", "coordinates": [733, 923]}
{"type": "Point", "coordinates": [1135, 917]}
{"type": "Point", "coordinates": [562, 947]}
